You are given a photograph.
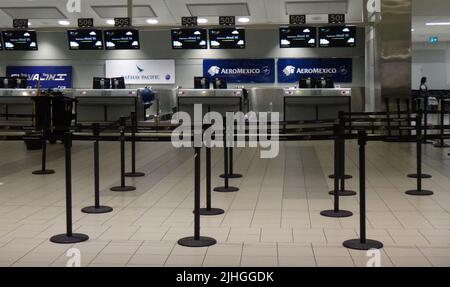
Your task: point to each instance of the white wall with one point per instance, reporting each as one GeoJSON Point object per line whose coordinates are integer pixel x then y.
{"type": "Point", "coordinates": [433, 62]}
{"type": "Point", "coordinates": [261, 43]}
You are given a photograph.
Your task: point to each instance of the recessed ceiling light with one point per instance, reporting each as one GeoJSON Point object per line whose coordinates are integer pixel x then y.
{"type": "Point", "coordinates": [110, 22]}
{"type": "Point", "coordinates": [438, 24]}
{"type": "Point", "coordinates": [244, 20]}
{"type": "Point", "coordinates": [64, 23]}
{"type": "Point", "coordinates": [152, 21]}
{"type": "Point", "coordinates": [412, 29]}
{"type": "Point", "coordinates": [202, 20]}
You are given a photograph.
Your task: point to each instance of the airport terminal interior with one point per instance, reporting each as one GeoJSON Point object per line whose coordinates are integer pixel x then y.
{"type": "Point", "coordinates": [340, 110]}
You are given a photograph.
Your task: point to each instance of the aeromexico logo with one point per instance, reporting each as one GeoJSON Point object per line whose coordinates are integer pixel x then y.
{"type": "Point", "coordinates": [216, 70]}
{"type": "Point", "coordinates": [291, 70]}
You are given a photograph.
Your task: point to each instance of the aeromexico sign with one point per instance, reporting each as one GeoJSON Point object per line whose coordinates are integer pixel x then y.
{"type": "Point", "coordinates": [291, 70]}
{"type": "Point", "coordinates": [241, 70]}
{"type": "Point", "coordinates": [142, 71]}
{"type": "Point", "coordinates": [49, 77]}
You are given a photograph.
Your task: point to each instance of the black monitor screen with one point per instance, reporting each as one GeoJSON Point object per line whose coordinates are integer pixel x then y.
{"type": "Point", "coordinates": [85, 39]}
{"type": "Point", "coordinates": [124, 39]}
{"type": "Point", "coordinates": [1, 42]}
{"type": "Point", "coordinates": [20, 40]}
{"type": "Point", "coordinates": [101, 83]}
{"type": "Point", "coordinates": [118, 83]}
{"type": "Point", "coordinates": [298, 37]}
{"type": "Point", "coordinates": [227, 38]}
{"type": "Point", "coordinates": [201, 83]}
{"type": "Point", "coordinates": [219, 84]}
{"type": "Point", "coordinates": [337, 36]}
{"type": "Point", "coordinates": [189, 39]}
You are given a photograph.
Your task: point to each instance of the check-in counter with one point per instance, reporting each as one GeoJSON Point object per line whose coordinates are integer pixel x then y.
{"type": "Point", "coordinates": [17, 104]}
{"type": "Point", "coordinates": [165, 102]}
{"type": "Point", "coordinates": [221, 101]}
{"type": "Point", "coordinates": [105, 105]}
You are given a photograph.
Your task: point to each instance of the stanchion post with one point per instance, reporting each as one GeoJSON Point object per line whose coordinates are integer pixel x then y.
{"type": "Point", "coordinates": [209, 210]}
{"type": "Point", "coordinates": [69, 237]}
{"type": "Point", "coordinates": [362, 243]}
{"type": "Point", "coordinates": [419, 176]}
{"type": "Point", "coordinates": [133, 172]}
{"type": "Point", "coordinates": [122, 187]}
{"type": "Point", "coordinates": [388, 116]}
{"type": "Point", "coordinates": [197, 240]}
{"type": "Point", "coordinates": [341, 153]}
{"type": "Point", "coordinates": [97, 208]}
{"type": "Point", "coordinates": [226, 187]}
{"type": "Point", "coordinates": [346, 176]}
{"type": "Point", "coordinates": [336, 212]}
{"type": "Point", "coordinates": [44, 170]}
{"type": "Point", "coordinates": [441, 143]}
{"type": "Point", "coordinates": [419, 143]}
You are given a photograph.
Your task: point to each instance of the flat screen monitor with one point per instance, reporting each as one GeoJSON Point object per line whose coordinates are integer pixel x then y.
{"type": "Point", "coordinates": [122, 39]}
{"type": "Point", "coordinates": [201, 83]}
{"type": "Point", "coordinates": [325, 83]}
{"type": "Point", "coordinates": [85, 39]}
{"type": "Point", "coordinates": [298, 37]}
{"type": "Point", "coordinates": [101, 83]}
{"type": "Point", "coordinates": [20, 40]}
{"type": "Point", "coordinates": [219, 83]}
{"type": "Point", "coordinates": [337, 36]}
{"type": "Point", "coordinates": [6, 83]}
{"type": "Point", "coordinates": [118, 83]}
{"type": "Point", "coordinates": [20, 82]}
{"type": "Point", "coordinates": [1, 42]}
{"type": "Point", "coordinates": [227, 38]}
{"type": "Point", "coordinates": [307, 83]}
{"type": "Point", "coordinates": [189, 39]}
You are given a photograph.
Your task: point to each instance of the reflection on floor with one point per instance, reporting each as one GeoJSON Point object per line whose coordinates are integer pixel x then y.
{"type": "Point", "coordinates": [273, 220]}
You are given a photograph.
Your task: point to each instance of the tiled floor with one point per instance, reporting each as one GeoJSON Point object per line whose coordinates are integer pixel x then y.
{"type": "Point", "coordinates": [274, 220]}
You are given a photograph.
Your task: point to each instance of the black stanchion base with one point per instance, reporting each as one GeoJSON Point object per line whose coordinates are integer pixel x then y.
{"type": "Point", "coordinates": [65, 239]}
{"type": "Point", "coordinates": [211, 211]}
{"type": "Point", "coordinates": [43, 172]}
{"type": "Point", "coordinates": [420, 192]}
{"type": "Point", "coordinates": [438, 145]}
{"type": "Point", "coordinates": [123, 188]}
{"type": "Point", "coordinates": [192, 242]}
{"type": "Point", "coordinates": [356, 244]}
{"type": "Point", "coordinates": [226, 189]}
{"type": "Point", "coordinates": [347, 176]}
{"type": "Point", "coordinates": [336, 214]}
{"type": "Point", "coordinates": [134, 174]}
{"type": "Point", "coordinates": [233, 176]}
{"type": "Point", "coordinates": [97, 210]}
{"type": "Point", "coordinates": [344, 193]}
{"type": "Point", "coordinates": [424, 175]}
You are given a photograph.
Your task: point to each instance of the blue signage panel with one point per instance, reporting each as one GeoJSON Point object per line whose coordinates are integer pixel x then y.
{"type": "Point", "coordinates": [51, 77]}
{"type": "Point", "coordinates": [291, 70]}
{"type": "Point", "coordinates": [241, 70]}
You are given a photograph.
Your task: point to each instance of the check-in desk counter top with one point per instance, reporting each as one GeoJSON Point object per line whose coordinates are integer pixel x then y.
{"type": "Point", "coordinates": [221, 101]}
{"type": "Point", "coordinates": [16, 104]}
{"type": "Point", "coordinates": [105, 105]}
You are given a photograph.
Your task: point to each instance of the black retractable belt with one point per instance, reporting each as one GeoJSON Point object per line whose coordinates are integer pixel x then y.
{"type": "Point", "coordinates": [97, 208]}
{"type": "Point", "coordinates": [44, 170]}
{"type": "Point", "coordinates": [122, 187]}
{"type": "Point", "coordinates": [226, 187]}
{"type": "Point", "coordinates": [336, 212]}
{"type": "Point", "coordinates": [419, 143]}
{"type": "Point", "coordinates": [419, 176]}
{"type": "Point", "coordinates": [68, 237]}
{"type": "Point", "coordinates": [197, 240]}
{"type": "Point", "coordinates": [133, 172]}
{"type": "Point", "coordinates": [362, 243]}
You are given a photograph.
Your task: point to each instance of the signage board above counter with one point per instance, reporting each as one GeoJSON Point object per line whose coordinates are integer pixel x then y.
{"type": "Point", "coordinates": [241, 70]}
{"type": "Point", "coordinates": [50, 77]}
{"type": "Point", "coordinates": [138, 72]}
{"type": "Point", "coordinates": [340, 69]}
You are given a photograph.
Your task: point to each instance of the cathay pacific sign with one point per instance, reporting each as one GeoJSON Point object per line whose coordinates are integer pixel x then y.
{"type": "Point", "coordinates": [241, 70]}
{"type": "Point", "coordinates": [291, 70]}
{"type": "Point", "coordinates": [142, 71]}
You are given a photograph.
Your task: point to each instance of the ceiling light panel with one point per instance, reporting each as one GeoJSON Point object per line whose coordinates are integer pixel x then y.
{"type": "Point", "coordinates": [33, 12]}
{"type": "Point", "coordinates": [317, 7]}
{"type": "Point", "coordinates": [139, 11]}
{"type": "Point", "coordinates": [220, 9]}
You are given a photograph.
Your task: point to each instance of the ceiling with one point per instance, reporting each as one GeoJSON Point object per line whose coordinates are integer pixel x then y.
{"type": "Point", "coordinates": [45, 14]}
